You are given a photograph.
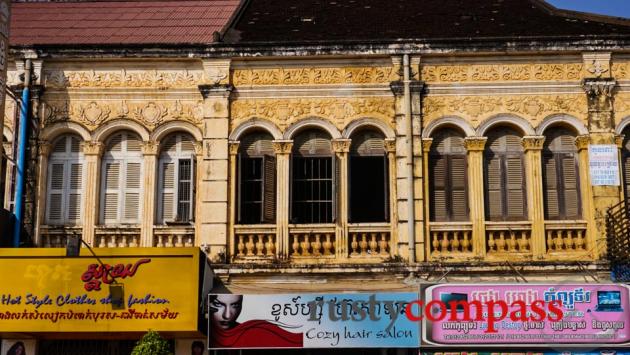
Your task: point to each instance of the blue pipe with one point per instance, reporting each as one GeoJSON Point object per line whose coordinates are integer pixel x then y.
{"type": "Point", "coordinates": [21, 156]}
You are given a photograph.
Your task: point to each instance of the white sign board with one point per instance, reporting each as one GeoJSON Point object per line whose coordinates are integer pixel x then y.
{"type": "Point", "coordinates": [604, 164]}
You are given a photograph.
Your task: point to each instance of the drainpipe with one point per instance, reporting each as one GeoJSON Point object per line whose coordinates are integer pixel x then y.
{"type": "Point", "coordinates": [21, 155]}
{"type": "Point", "coordinates": [411, 213]}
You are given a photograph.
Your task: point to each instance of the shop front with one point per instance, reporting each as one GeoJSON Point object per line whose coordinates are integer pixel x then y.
{"type": "Point", "coordinates": [99, 304]}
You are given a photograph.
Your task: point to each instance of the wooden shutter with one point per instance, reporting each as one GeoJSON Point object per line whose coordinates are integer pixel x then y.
{"type": "Point", "coordinates": [111, 193]}
{"type": "Point", "coordinates": [494, 188]}
{"type": "Point", "coordinates": [131, 203]}
{"type": "Point", "coordinates": [571, 188]}
{"type": "Point", "coordinates": [457, 180]}
{"type": "Point", "coordinates": [269, 189]}
{"type": "Point", "coordinates": [626, 174]}
{"type": "Point", "coordinates": [313, 143]}
{"type": "Point", "coordinates": [438, 170]}
{"type": "Point", "coordinates": [55, 196]}
{"type": "Point", "coordinates": [168, 191]}
{"type": "Point", "coordinates": [550, 180]}
{"type": "Point", "coordinates": [515, 183]}
{"type": "Point", "coordinates": [74, 196]}
{"type": "Point", "coordinates": [184, 189]}
{"type": "Point", "coordinates": [368, 143]}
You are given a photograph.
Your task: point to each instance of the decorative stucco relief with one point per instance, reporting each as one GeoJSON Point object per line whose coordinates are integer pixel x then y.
{"type": "Point", "coordinates": [9, 114]}
{"type": "Point", "coordinates": [501, 72]}
{"type": "Point", "coordinates": [478, 108]}
{"type": "Point", "coordinates": [621, 70]}
{"type": "Point", "coordinates": [311, 76]}
{"type": "Point", "coordinates": [59, 78]}
{"type": "Point", "coordinates": [339, 110]}
{"type": "Point", "coordinates": [622, 106]}
{"type": "Point", "coordinates": [94, 113]}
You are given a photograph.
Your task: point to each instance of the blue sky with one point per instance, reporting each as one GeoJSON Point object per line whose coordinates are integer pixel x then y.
{"type": "Point", "coordinates": [619, 8]}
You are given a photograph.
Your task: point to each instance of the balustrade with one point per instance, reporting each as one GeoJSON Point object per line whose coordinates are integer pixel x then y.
{"type": "Point", "coordinates": [312, 244]}
{"type": "Point", "coordinates": [57, 237]}
{"type": "Point", "coordinates": [565, 237]}
{"type": "Point", "coordinates": [117, 237]}
{"type": "Point", "coordinates": [508, 238]}
{"type": "Point", "coordinates": [173, 237]}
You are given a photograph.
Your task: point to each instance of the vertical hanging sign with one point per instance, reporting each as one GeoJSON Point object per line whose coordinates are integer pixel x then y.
{"type": "Point", "coordinates": [5, 6]}
{"type": "Point", "coordinates": [604, 164]}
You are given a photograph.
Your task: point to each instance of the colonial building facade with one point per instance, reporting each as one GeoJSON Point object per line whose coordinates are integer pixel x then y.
{"type": "Point", "coordinates": [301, 155]}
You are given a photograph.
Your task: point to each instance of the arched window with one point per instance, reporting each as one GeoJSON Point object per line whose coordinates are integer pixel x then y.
{"type": "Point", "coordinates": [176, 179]}
{"type": "Point", "coordinates": [121, 179]}
{"type": "Point", "coordinates": [625, 159]}
{"type": "Point", "coordinates": [65, 182]}
{"type": "Point", "coordinates": [313, 177]}
{"type": "Point", "coordinates": [448, 177]}
{"type": "Point", "coordinates": [561, 175]}
{"type": "Point", "coordinates": [368, 185]}
{"type": "Point", "coordinates": [256, 179]}
{"type": "Point", "coordinates": [504, 176]}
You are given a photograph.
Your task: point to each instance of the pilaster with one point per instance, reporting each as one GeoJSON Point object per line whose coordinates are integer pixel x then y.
{"type": "Point", "coordinates": [390, 148]}
{"type": "Point", "coordinates": [42, 170]}
{"type": "Point", "coordinates": [341, 148]}
{"type": "Point", "coordinates": [475, 147]}
{"type": "Point", "coordinates": [92, 152]}
{"type": "Point", "coordinates": [533, 146]}
{"type": "Point", "coordinates": [599, 91]}
{"type": "Point", "coordinates": [426, 148]}
{"type": "Point", "coordinates": [282, 149]}
{"type": "Point", "coordinates": [149, 152]}
{"type": "Point", "coordinates": [586, 192]}
{"type": "Point", "coordinates": [233, 150]}
{"type": "Point", "coordinates": [212, 220]}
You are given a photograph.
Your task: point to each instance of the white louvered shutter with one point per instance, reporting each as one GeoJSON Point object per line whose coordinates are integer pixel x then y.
{"type": "Point", "coordinates": [131, 202]}
{"type": "Point", "coordinates": [168, 191]}
{"type": "Point", "coordinates": [65, 185]}
{"type": "Point", "coordinates": [56, 193]}
{"type": "Point", "coordinates": [110, 201]}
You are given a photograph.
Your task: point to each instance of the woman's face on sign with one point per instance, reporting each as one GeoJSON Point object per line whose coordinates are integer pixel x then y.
{"type": "Point", "coordinates": [224, 310]}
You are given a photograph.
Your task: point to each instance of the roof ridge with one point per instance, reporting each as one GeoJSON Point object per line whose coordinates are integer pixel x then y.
{"type": "Point", "coordinates": [588, 16]}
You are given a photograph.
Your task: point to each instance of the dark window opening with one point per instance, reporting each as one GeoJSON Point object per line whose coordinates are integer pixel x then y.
{"type": "Point", "coordinates": [312, 190]}
{"type": "Point", "coordinates": [3, 176]}
{"type": "Point", "coordinates": [505, 190]}
{"type": "Point", "coordinates": [256, 188]}
{"type": "Point", "coordinates": [368, 189]}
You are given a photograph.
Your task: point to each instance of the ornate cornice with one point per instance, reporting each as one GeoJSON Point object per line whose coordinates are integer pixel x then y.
{"type": "Point", "coordinates": [480, 107]}
{"type": "Point", "coordinates": [340, 109]}
{"type": "Point", "coordinates": [122, 78]}
{"type": "Point", "coordinates": [282, 146]}
{"type": "Point", "coordinates": [93, 113]}
{"type": "Point", "coordinates": [502, 72]}
{"type": "Point", "coordinates": [533, 142]}
{"type": "Point", "coordinates": [475, 143]}
{"type": "Point", "coordinates": [313, 76]}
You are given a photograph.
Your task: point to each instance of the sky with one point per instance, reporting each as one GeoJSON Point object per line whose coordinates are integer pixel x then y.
{"type": "Point", "coordinates": [618, 8]}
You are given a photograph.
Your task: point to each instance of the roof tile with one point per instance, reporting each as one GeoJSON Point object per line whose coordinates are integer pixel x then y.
{"type": "Point", "coordinates": [119, 22]}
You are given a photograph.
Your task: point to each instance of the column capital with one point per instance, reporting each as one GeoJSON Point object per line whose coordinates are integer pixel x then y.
{"type": "Point", "coordinates": [44, 148]}
{"type": "Point", "coordinates": [217, 91]}
{"type": "Point", "coordinates": [597, 63]}
{"type": "Point", "coordinates": [8, 148]}
{"type": "Point", "coordinates": [619, 140]}
{"type": "Point", "coordinates": [595, 87]}
{"type": "Point", "coordinates": [341, 145]}
{"type": "Point", "coordinates": [426, 144]}
{"type": "Point", "coordinates": [533, 142]}
{"type": "Point", "coordinates": [475, 144]}
{"type": "Point", "coordinates": [92, 148]}
{"type": "Point", "coordinates": [150, 148]}
{"type": "Point", "coordinates": [582, 141]}
{"type": "Point", "coordinates": [198, 147]}
{"type": "Point", "coordinates": [233, 147]}
{"type": "Point", "coordinates": [390, 145]}
{"type": "Point", "coordinates": [282, 146]}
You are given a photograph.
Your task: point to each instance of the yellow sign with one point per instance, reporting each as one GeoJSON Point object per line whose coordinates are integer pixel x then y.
{"type": "Point", "coordinates": [42, 290]}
